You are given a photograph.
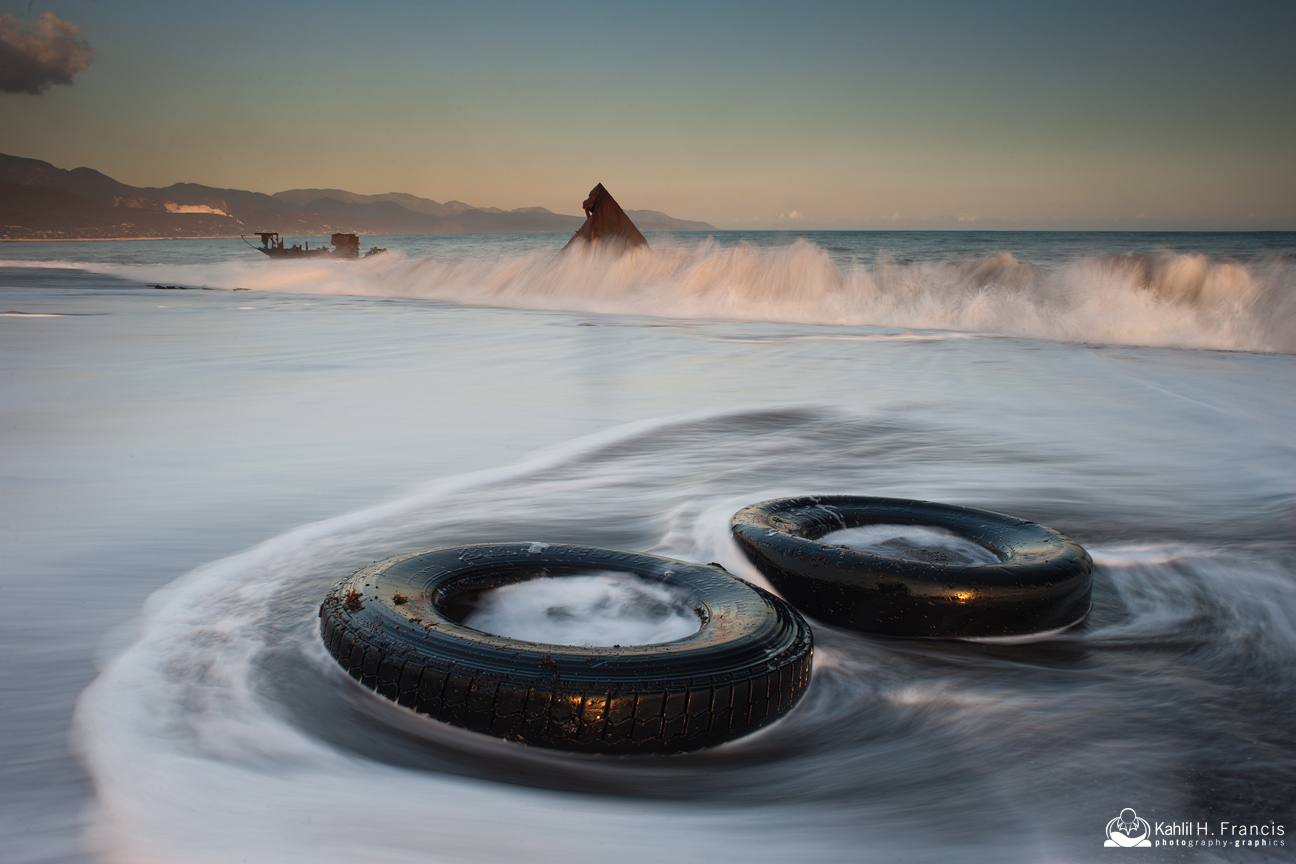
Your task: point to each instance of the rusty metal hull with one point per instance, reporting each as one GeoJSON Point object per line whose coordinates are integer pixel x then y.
{"type": "Point", "coordinates": [606, 224]}
{"type": "Point", "coordinates": [296, 253]}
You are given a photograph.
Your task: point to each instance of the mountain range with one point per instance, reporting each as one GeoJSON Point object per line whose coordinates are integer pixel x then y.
{"type": "Point", "coordinates": [41, 202]}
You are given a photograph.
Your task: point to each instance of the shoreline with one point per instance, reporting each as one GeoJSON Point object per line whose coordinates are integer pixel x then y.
{"type": "Point", "coordinates": [103, 239]}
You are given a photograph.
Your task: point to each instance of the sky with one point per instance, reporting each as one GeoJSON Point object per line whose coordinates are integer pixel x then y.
{"type": "Point", "coordinates": [752, 115]}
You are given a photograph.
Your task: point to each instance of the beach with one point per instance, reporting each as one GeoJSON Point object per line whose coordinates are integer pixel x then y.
{"type": "Point", "coordinates": [190, 471]}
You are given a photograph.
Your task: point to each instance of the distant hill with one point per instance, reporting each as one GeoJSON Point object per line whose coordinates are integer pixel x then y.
{"type": "Point", "coordinates": [303, 197]}
{"type": "Point", "coordinates": [655, 220]}
{"type": "Point", "coordinates": [39, 201]}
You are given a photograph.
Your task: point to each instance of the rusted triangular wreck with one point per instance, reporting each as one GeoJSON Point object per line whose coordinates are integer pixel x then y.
{"type": "Point", "coordinates": [606, 224]}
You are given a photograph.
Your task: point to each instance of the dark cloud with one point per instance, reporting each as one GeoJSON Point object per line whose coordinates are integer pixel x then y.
{"type": "Point", "coordinates": [34, 55]}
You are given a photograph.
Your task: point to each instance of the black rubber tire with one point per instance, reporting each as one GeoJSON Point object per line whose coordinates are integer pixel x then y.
{"type": "Point", "coordinates": [1041, 584]}
{"type": "Point", "coordinates": [747, 665]}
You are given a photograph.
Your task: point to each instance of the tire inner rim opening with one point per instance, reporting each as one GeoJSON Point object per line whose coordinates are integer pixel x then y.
{"type": "Point", "coordinates": [926, 543]}
{"type": "Point", "coordinates": [594, 609]}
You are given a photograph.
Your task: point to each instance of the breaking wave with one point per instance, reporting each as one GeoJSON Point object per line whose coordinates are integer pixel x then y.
{"type": "Point", "coordinates": [1165, 299]}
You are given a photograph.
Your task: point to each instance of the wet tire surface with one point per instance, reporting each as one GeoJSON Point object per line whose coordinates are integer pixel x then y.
{"type": "Point", "coordinates": [1041, 583]}
{"type": "Point", "coordinates": [388, 625]}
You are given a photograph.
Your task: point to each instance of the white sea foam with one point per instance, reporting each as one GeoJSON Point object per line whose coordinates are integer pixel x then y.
{"type": "Point", "coordinates": [916, 542]}
{"type": "Point", "coordinates": [595, 609]}
{"type": "Point", "coordinates": [1165, 299]}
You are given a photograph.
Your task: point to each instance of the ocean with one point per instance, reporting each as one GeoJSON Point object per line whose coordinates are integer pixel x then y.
{"type": "Point", "coordinates": [188, 472]}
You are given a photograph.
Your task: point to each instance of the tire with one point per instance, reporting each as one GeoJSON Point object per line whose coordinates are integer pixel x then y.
{"type": "Point", "coordinates": [747, 665]}
{"type": "Point", "coordinates": [1042, 582]}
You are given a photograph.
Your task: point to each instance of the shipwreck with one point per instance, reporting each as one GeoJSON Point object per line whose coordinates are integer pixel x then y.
{"type": "Point", "coordinates": [344, 246]}
{"type": "Point", "coordinates": [606, 224]}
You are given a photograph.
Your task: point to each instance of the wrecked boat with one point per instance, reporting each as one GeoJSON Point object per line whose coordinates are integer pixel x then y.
{"type": "Point", "coordinates": [606, 224]}
{"type": "Point", "coordinates": [344, 246]}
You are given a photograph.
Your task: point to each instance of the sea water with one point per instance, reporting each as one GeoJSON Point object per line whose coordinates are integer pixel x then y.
{"type": "Point", "coordinates": [188, 472]}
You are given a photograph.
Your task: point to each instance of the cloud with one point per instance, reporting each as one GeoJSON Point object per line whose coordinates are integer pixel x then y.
{"type": "Point", "coordinates": [38, 54]}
